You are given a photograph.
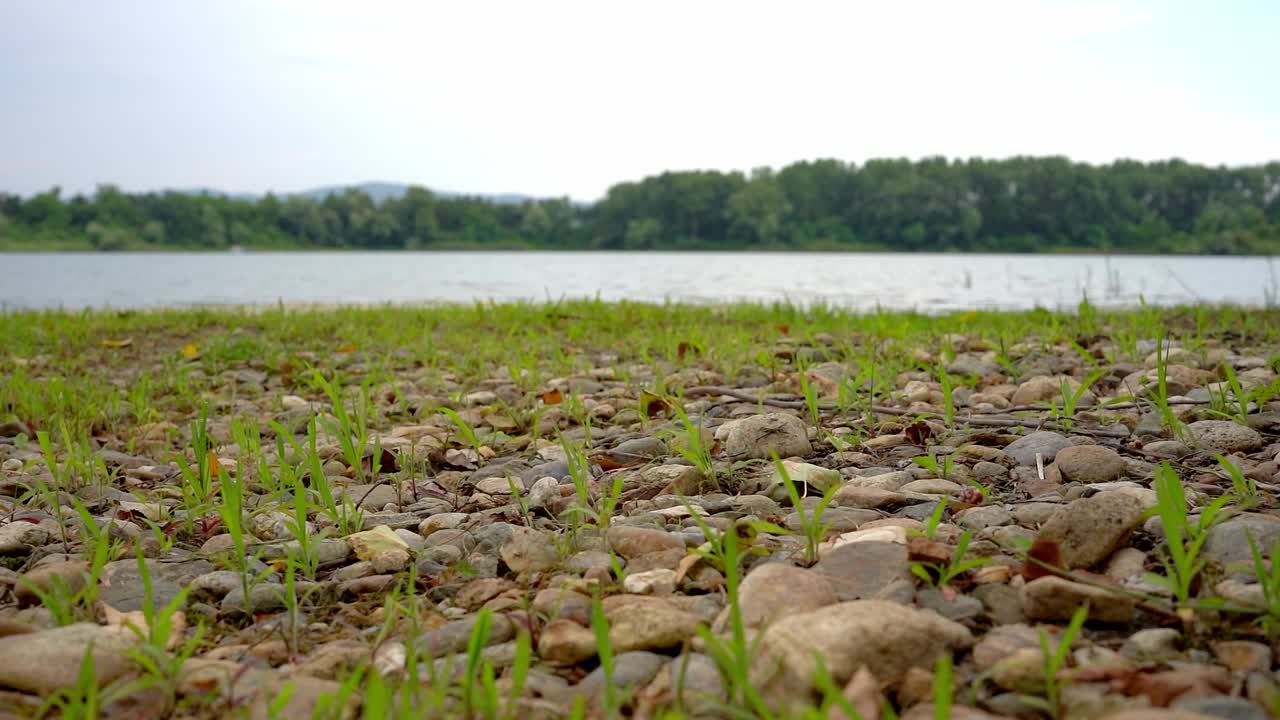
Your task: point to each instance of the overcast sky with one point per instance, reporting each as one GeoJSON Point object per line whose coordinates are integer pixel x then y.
{"type": "Point", "coordinates": [567, 98]}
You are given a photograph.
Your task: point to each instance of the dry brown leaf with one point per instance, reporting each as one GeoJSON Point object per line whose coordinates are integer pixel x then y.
{"type": "Point", "coordinates": [686, 564]}
{"type": "Point", "coordinates": [606, 463]}
{"type": "Point", "coordinates": [918, 433]}
{"type": "Point", "coordinates": [922, 549]}
{"type": "Point", "coordinates": [1042, 553]}
{"type": "Point", "coordinates": [465, 459]}
{"type": "Point", "coordinates": [685, 348]}
{"type": "Point", "coordinates": [653, 404]}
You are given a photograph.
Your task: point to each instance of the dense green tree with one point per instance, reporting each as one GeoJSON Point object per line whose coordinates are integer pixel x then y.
{"type": "Point", "coordinates": [1019, 204]}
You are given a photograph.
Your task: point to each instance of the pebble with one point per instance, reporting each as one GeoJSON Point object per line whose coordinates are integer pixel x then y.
{"type": "Point", "coordinates": [1024, 449]}
{"type": "Point", "coordinates": [1088, 530]}
{"type": "Point", "coordinates": [51, 659]}
{"type": "Point", "coordinates": [981, 518]}
{"type": "Point", "coordinates": [1228, 542]}
{"type": "Point", "coordinates": [631, 670]}
{"type": "Point", "coordinates": [886, 637]}
{"type": "Point", "coordinates": [565, 642]}
{"type": "Point", "coordinates": [71, 576]}
{"type": "Point", "coordinates": [1055, 599]}
{"type": "Point", "coordinates": [442, 521]}
{"type": "Point", "coordinates": [660, 581]}
{"type": "Point", "coordinates": [453, 636]}
{"type": "Point", "coordinates": [528, 551]}
{"type": "Point", "coordinates": [638, 622]}
{"type": "Point", "coordinates": [1230, 708]}
{"type": "Point", "coordinates": [1153, 644]}
{"type": "Point", "coordinates": [264, 597]}
{"type": "Point", "coordinates": [760, 436]}
{"type": "Point", "coordinates": [864, 570]}
{"type": "Point", "coordinates": [1243, 656]}
{"type": "Point", "coordinates": [774, 590]}
{"type": "Point", "coordinates": [1089, 464]}
{"type": "Point", "coordinates": [19, 538]}
{"type": "Point", "coordinates": [1225, 436]}
{"type": "Point", "coordinates": [215, 585]}
{"type": "Point", "coordinates": [631, 541]}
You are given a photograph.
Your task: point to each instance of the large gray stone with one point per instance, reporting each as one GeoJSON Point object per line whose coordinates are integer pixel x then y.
{"type": "Point", "coordinates": [1228, 541]}
{"type": "Point", "coordinates": [759, 436]}
{"type": "Point", "coordinates": [1225, 436]}
{"type": "Point", "coordinates": [1089, 464]}
{"type": "Point", "coordinates": [1055, 599]}
{"type": "Point", "coordinates": [122, 586]}
{"type": "Point", "coordinates": [46, 662]}
{"type": "Point", "coordinates": [1090, 529]}
{"type": "Point", "coordinates": [886, 637]}
{"type": "Point", "coordinates": [774, 590]}
{"type": "Point", "coordinates": [861, 570]}
{"type": "Point", "coordinates": [1024, 449]}
{"type": "Point", "coordinates": [631, 670]}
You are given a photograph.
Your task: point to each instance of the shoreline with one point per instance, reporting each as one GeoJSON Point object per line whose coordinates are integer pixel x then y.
{"type": "Point", "coordinates": [561, 495]}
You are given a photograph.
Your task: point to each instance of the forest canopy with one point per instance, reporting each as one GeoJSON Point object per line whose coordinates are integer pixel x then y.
{"type": "Point", "coordinates": [1023, 204]}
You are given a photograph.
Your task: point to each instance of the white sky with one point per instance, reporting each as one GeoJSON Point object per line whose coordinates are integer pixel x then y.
{"type": "Point", "coordinates": [567, 98]}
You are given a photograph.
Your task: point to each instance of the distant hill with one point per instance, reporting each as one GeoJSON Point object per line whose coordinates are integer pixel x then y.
{"type": "Point", "coordinates": [379, 191]}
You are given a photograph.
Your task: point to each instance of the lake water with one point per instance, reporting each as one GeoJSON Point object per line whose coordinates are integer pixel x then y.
{"type": "Point", "coordinates": [925, 282]}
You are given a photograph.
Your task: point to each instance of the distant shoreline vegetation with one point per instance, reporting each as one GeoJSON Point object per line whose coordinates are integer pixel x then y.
{"type": "Point", "coordinates": [1016, 205]}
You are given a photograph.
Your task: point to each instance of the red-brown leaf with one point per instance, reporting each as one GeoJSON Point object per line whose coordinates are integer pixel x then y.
{"type": "Point", "coordinates": [1047, 553]}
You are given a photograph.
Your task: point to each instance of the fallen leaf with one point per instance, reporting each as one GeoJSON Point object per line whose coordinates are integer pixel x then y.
{"type": "Point", "coordinates": [464, 459]}
{"type": "Point", "coordinates": [117, 343]}
{"type": "Point", "coordinates": [686, 564]}
{"type": "Point", "coordinates": [652, 404]}
{"type": "Point", "coordinates": [922, 549]}
{"type": "Point", "coordinates": [685, 348]}
{"type": "Point", "coordinates": [1041, 554]}
{"type": "Point", "coordinates": [918, 432]}
{"type": "Point", "coordinates": [606, 463]}
{"type": "Point", "coordinates": [552, 397]}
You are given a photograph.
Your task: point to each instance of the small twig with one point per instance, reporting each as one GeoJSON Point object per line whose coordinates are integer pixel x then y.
{"type": "Point", "coordinates": [1112, 406]}
{"type": "Point", "coordinates": [1145, 601]}
{"type": "Point", "coordinates": [903, 412]}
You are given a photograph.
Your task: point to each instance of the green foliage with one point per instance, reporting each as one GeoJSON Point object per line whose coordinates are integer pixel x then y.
{"type": "Point", "coordinates": [1054, 660]}
{"type": "Point", "coordinates": [940, 469]}
{"type": "Point", "coordinates": [688, 441]}
{"type": "Point", "coordinates": [1021, 204]}
{"type": "Point", "coordinates": [1183, 540]}
{"type": "Point", "coordinates": [810, 525]}
{"type": "Point", "coordinates": [942, 574]}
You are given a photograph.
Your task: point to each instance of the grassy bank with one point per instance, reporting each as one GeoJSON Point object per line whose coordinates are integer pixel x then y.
{"type": "Point", "coordinates": [558, 510]}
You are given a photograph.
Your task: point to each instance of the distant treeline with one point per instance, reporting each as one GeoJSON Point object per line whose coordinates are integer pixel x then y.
{"type": "Point", "coordinates": [1021, 204]}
